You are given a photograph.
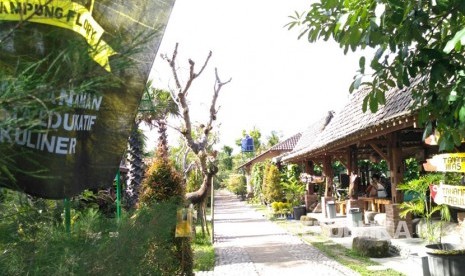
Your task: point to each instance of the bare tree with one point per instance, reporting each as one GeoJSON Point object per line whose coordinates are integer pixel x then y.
{"type": "Point", "coordinates": [199, 145]}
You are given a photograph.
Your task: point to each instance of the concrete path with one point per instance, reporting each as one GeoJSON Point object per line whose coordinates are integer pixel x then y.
{"type": "Point", "coordinates": [246, 243]}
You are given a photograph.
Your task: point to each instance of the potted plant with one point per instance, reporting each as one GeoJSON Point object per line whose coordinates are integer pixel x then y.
{"type": "Point", "coordinates": [443, 258]}
{"type": "Point", "coordinates": [294, 190]}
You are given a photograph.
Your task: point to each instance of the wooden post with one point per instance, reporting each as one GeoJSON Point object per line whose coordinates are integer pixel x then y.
{"type": "Point", "coordinates": [310, 169]}
{"type": "Point", "coordinates": [352, 168]}
{"type": "Point", "coordinates": [395, 166]}
{"type": "Point", "coordinates": [212, 211]}
{"type": "Point", "coordinates": [329, 174]}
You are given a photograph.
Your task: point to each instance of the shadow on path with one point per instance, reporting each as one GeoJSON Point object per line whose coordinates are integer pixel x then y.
{"type": "Point", "coordinates": [248, 244]}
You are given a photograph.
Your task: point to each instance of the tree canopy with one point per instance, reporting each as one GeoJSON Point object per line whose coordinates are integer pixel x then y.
{"type": "Point", "coordinates": [418, 45]}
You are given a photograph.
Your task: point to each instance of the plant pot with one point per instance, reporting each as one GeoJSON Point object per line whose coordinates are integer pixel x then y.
{"type": "Point", "coordinates": [445, 259]}
{"type": "Point", "coordinates": [299, 211]}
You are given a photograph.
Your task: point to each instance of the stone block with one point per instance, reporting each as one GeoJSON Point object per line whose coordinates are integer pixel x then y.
{"type": "Point", "coordinates": [334, 231]}
{"type": "Point", "coordinates": [380, 219]}
{"type": "Point", "coordinates": [373, 248]}
{"type": "Point", "coordinates": [370, 217]}
{"type": "Point", "coordinates": [308, 221]}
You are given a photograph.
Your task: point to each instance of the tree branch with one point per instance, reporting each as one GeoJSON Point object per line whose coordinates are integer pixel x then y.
{"type": "Point", "coordinates": [213, 110]}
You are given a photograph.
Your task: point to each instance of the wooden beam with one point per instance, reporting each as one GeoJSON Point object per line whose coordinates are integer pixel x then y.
{"type": "Point", "coordinates": [380, 152]}
{"type": "Point", "coordinates": [342, 162]}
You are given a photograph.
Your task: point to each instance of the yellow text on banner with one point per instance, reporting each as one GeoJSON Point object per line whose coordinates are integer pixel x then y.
{"type": "Point", "coordinates": [63, 14]}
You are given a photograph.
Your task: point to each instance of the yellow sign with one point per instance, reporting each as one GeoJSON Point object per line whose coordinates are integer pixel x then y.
{"type": "Point", "coordinates": [63, 14]}
{"type": "Point", "coordinates": [184, 222]}
{"type": "Point", "coordinates": [450, 162]}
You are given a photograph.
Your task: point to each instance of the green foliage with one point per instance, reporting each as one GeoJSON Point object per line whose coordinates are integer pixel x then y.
{"type": "Point", "coordinates": [281, 208]}
{"type": "Point", "coordinates": [272, 189]}
{"type": "Point", "coordinates": [292, 187]}
{"type": "Point", "coordinates": [204, 253]}
{"type": "Point", "coordinates": [421, 205]}
{"type": "Point", "coordinates": [256, 179]}
{"type": "Point", "coordinates": [157, 105]}
{"type": "Point", "coordinates": [33, 241]}
{"type": "Point", "coordinates": [194, 180]}
{"type": "Point", "coordinates": [272, 139]}
{"type": "Point", "coordinates": [225, 166]}
{"type": "Point", "coordinates": [411, 169]}
{"type": "Point", "coordinates": [418, 45]}
{"type": "Point", "coordinates": [226, 161]}
{"type": "Point", "coordinates": [162, 183]}
{"type": "Point", "coordinates": [237, 184]}
{"type": "Point", "coordinates": [293, 190]}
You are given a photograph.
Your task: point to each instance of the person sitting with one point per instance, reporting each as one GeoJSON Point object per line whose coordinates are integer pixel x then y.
{"type": "Point", "coordinates": [376, 189]}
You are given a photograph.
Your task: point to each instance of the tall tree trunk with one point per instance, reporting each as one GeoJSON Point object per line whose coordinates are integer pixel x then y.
{"type": "Point", "coordinates": [200, 146]}
{"type": "Point", "coordinates": [200, 195]}
{"type": "Point", "coordinates": [136, 168]}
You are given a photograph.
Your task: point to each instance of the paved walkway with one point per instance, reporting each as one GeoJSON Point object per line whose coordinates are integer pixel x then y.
{"type": "Point", "coordinates": [246, 243]}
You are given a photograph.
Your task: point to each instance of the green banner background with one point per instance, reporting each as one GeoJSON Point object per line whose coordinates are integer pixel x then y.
{"type": "Point", "coordinates": [89, 145]}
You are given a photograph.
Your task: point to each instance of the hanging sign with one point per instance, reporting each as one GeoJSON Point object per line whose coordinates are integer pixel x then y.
{"type": "Point", "coordinates": [451, 195]}
{"type": "Point", "coordinates": [449, 162]}
{"type": "Point", "coordinates": [184, 222]}
{"type": "Point", "coordinates": [92, 60]}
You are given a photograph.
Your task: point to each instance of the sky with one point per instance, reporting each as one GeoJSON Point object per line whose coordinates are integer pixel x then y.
{"type": "Point", "coordinates": [279, 83]}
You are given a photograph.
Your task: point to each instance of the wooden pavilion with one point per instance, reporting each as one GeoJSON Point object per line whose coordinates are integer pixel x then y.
{"type": "Point", "coordinates": [392, 133]}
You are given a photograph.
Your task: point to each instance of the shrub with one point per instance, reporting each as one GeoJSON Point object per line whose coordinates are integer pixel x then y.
{"type": "Point", "coordinates": [162, 183]}
{"type": "Point", "coordinates": [271, 184]}
{"type": "Point", "coordinates": [256, 180]}
{"type": "Point", "coordinates": [237, 184]}
{"type": "Point", "coordinates": [33, 243]}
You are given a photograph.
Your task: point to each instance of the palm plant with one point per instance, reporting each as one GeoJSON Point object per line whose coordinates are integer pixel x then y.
{"type": "Point", "coordinates": [293, 190]}
{"type": "Point", "coordinates": [421, 205]}
{"type": "Point", "coordinates": [135, 154]}
{"type": "Point", "coordinates": [154, 110]}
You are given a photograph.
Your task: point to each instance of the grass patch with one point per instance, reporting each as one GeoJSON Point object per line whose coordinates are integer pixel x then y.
{"type": "Point", "coordinates": [204, 253]}
{"type": "Point", "coordinates": [337, 252]}
{"type": "Point", "coordinates": [347, 257]}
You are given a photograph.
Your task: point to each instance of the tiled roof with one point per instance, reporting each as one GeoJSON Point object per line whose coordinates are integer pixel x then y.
{"type": "Point", "coordinates": [310, 134]}
{"type": "Point", "coordinates": [351, 119]}
{"type": "Point", "coordinates": [286, 145]}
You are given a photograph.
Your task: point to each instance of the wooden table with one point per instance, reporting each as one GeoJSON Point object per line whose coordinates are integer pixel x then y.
{"type": "Point", "coordinates": [376, 203]}
{"type": "Point", "coordinates": [342, 207]}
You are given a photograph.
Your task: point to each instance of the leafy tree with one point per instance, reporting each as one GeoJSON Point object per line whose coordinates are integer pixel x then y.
{"type": "Point", "coordinates": [418, 46]}
{"type": "Point", "coordinates": [154, 109]}
{"type": "Point", "coordinates": [226, 160]}
{"type": "Point", "coordinates": [256, 178]}
{"type": "Point", "coordinates": [237, 184]}
{"type": "Point", "coordinates": [272, 189]}
{"type": "Point", "coordinates": [226, 165]}
{"type": "Point", "coordinates": [272, 139]}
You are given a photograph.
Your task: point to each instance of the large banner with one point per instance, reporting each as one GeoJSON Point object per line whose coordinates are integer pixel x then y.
{"type": "Point", "coordinates": [81, 68]}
